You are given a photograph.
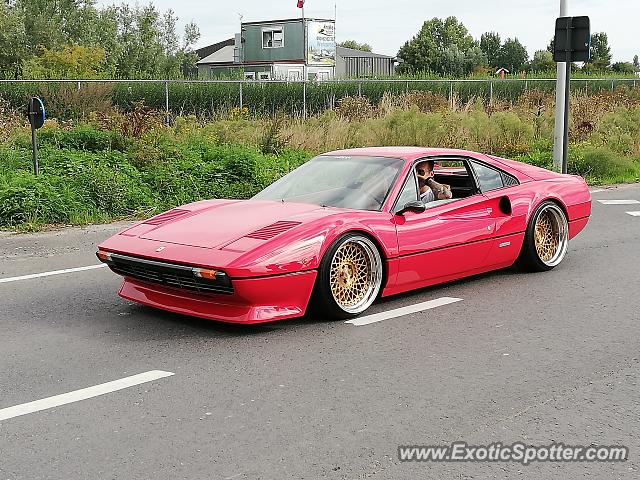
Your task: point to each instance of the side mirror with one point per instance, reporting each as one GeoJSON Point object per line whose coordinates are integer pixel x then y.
{"type": "Point", "coordinates": [416, 206]}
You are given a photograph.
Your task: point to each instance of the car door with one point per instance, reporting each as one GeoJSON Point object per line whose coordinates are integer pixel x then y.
{"type": "Point", "coordinates": [509, 206]}
{"type": "Point", "coordinates": [450, 239]}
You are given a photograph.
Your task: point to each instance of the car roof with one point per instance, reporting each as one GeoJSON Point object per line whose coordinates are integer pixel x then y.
{"type": "Point", "coordinates": [405, 153]}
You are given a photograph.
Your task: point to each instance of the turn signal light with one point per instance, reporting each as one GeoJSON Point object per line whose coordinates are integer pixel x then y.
{"type": "Point", "coordinates": [103, 256]}
{"type": "Point", "coordinates": [206, 273]}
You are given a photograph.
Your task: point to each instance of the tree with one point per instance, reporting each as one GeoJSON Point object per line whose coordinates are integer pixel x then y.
{"type": "Point", "coordinates": [138, 42]}
{"type": "Point", "coordinates": [431, 48]}
{"type": "Point", "coordinates": [600, 51]}
{"type": "Point", "coordinates": [475, 59]}
{"type": "Point", "coordinates": [490, 45]}
{"type": "Point", "coordinates": [551, 45]}
{"type": "Point", "coordinates": [365, 47]}
{"type": "Point", "coordinates": [636, 62]}
{"type": "Point", "coordinates": [513, 55]}
{"type": "Point", "coordinates": [53, 24]}
{"type": "Point", "coordinates": [71, 61]}
{"type": "Point", "coordinates": [13, 42]}
{"type": "Point", "coordinates": [626, 68]}
{"type": "Point", "coordinates": [189, 57]}
{"type": "Point", "coordinates": [542, 61]}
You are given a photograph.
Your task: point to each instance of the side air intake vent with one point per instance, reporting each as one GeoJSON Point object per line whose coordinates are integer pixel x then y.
{"type": "Point", "coordinates": [166, 216]}
{"type": "Point", "coordinates": [270, 231]}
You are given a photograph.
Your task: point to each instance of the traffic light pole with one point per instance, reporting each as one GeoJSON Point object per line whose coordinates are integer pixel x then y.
{"type": "Point", "coordinates": [560, 140]}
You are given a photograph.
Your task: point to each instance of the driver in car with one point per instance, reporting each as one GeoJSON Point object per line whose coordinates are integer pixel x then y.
{"type": "Point", "coordinates": [430, 190]}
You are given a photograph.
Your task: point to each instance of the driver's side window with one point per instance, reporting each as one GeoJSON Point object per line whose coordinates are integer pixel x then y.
{"type": "Point", "coordinates": [409, 191]}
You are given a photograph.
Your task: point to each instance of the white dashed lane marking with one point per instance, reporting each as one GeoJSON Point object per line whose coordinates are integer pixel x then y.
{"type": "Point", "coordinates": [84, 394]}
{"type": "Point", "coordinates": [399, 312]}
{"type": "Point", "coordinates": [597, 190]}
{"type": "Point", "coordinates": [634, 214]}
{"type": "Point", "coordinates": [619, 202]}
{"type": "Point", "coordinates": [53, 272]}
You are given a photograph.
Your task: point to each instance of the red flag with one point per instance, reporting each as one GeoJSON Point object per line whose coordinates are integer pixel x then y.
{"type": "Point", "coordinates": [300, 3]}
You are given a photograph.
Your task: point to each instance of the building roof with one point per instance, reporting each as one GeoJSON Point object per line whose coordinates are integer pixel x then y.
{"type": "Point", "coordinates": [287, 20]}
{"type": "Point", "coordinates": [223, 55]}
{"type": "Point", "coordinates": [351, 52]}
{"type": "Point", "coordinates": [209, 49]}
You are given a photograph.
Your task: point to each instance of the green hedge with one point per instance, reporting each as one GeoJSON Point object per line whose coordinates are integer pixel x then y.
{"type": "Point", "coordinates": [101, 183]}
{"type": "Point", "coordinates": [65, 101]}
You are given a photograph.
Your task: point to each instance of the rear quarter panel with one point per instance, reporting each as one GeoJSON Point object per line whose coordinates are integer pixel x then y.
{"type": "Point", "coordinates": [570, 192]}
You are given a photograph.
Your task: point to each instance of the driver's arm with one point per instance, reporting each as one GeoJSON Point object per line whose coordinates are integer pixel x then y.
{"type": "Point", "coordinates": [440, 191]}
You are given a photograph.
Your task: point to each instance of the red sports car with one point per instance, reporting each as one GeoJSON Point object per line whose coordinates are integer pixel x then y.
{"type": "Point", "coordinates": [344, 228]}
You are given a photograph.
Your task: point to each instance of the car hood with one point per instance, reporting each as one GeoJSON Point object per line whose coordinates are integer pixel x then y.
{"type": "Point", "coordinates": [215, 225]}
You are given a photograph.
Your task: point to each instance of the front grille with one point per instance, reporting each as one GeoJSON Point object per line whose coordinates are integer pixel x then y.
{"type": "Point", "coordinates": [167, 274]}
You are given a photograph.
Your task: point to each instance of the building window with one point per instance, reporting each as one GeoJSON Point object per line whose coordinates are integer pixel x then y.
{"type": "Point", "coordinates": [293, 75]}
{"type": "Point", "coordinates": [272, 37]}
{"type": "Point", "coordinates": [264, 76]}
{"type": "Point", "coordinates": [250, 75]}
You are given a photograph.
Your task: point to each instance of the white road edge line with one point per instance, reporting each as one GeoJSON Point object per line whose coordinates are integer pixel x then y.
{"type": "Point", "coordinates": [634, 214]}
{"type": "Point", "coordinates": [619, 202]}
{"type": "Point", "coordinates": [597, 190]}
{"type": "Point", "coordinates": [53, 272]}
{"type": "Point", "coordinates": [399, 312]}
{"type": "Point", "coordinates": [82, 394]}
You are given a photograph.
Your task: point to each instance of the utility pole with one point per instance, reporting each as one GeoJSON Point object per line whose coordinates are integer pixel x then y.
{"type": "Point", "coordinates": [561, 88]}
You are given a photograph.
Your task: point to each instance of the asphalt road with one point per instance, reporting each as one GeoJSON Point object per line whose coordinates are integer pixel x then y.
{"type": "Point", "coordinates": [537, 358]}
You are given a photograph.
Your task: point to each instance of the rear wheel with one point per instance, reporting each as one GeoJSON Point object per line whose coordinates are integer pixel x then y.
{"type": "Point", "coordinates": [546, 239]}
{"type": "Point", "coordinates": [350, 276]}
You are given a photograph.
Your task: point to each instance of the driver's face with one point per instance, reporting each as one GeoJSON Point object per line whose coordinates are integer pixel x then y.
{"type": "Point", "coordinates": [423, 169]}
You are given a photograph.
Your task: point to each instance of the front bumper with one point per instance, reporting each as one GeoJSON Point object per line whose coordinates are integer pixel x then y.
{"type": "Point", "coordinates": [254, 300]}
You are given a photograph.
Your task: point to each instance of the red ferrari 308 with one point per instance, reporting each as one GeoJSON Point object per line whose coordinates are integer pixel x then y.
{"type": "Point", "coordinates": [344, 228]}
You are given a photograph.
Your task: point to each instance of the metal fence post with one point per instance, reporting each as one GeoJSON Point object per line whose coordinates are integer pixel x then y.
{"type": "Point", "coordinates": [360, 88]}
{"type": "Point", "coordinates": [241, 99]}
{"type": "Point", "coordinates": [490, 93]}
{"type": "Point", "coordinates": [612, 85]}
{"type": "Point", "coordinates": [166, 101]}
{"type": "Point", "coordinates": [407, 91]}
{"type": "Point", "coordinates": [526, 85]}
{"type": "Point", "coordinates": [78, 85]}
{"type": "Point", "coordinates": [304, 98]}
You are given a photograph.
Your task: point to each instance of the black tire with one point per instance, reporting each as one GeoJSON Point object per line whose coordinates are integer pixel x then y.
{"type": "Point", "coordinates": [335, 270]}
{"type": "Point", "coordinates": [544, 250]}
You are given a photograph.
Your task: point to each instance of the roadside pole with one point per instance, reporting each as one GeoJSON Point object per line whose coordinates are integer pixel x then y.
{"type": "Point", "coordinates": [36, 114]}
{"type": "Point", "coordinates": [561, 103]}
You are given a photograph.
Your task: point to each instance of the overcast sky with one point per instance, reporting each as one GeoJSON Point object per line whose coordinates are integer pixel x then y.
{"type": "Point", "coordinates": [387, 24]}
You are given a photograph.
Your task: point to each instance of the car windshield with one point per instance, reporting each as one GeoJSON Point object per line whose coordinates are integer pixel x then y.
{"type": "Point", "coordinates": [356, 182]}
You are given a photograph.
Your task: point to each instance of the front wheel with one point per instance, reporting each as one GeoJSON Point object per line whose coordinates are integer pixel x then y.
{"type": "Point", "coordinates": [546, 239]}
{"type": "Point", "coordinates": [349, 277]}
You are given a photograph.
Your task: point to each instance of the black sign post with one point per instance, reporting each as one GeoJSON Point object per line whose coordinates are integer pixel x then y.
{"type": "Point", "coordinates": [36, 114]}
{"type": "Point", "coordinates": [572, 43]}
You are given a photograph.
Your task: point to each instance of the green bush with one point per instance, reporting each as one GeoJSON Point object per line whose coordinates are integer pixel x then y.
{"type": "Point", "coordinates": [595, 163]}
{"type": "Point", "coordinates": [25, 199]}
{"type": "Point", "coordinates": [82, 137]}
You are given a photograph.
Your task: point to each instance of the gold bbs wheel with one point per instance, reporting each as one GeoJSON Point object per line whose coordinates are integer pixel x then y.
{"type": "Point", "coordinates": [551, 234]}
{"type": "Point", "coordinates": [355, 274]}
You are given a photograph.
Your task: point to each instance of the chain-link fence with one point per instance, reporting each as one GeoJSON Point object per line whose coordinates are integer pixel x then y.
{"type": "Point", "coordinates": [72, 98]}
